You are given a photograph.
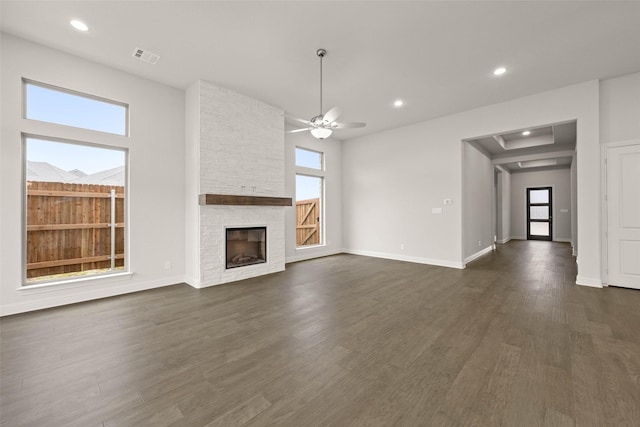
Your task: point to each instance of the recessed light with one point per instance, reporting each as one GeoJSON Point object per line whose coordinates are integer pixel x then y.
{"type": "Point", "coordinates": [526, 133]}
{"type": "Point", "coordinates": [398, 103]}
{"type": "Point", "coordinates": [79, 25]}
{"type": "Point", "coordinates": [499, 71]}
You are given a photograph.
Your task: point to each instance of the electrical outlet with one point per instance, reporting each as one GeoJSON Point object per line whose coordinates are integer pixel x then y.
{"type": "Point", "coordinates": [479, 243]}
{"type": "Point", "coordinates": [402, 246]}
{"type": "Point", "coordinates": [167, 265]}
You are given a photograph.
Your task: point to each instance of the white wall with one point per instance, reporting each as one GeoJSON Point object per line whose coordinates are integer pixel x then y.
{"type": "Point", "coordinates": [478, 202]}
{"type": "Point", "coordinates": [560, 181]}
{"type": "Point", "coordinates": [332, 149]}
{"type": "Point", "coordinates": [156, 172]}
{"type": "Point", "coordinates": [503, 205]}
{"type": "Point", "coordinates": [620, 108]}
{"type": "Point", "coordinates": [497, 185]}
{"type": "Point", "coordinates": [392, 179]}
{"type": "Point", "coordinates": [391, 182]}
{"type": "Point", "coordinates": [192, 185]}
{"type": "Point", "coordinates": [574, 204]}
{"type": "Point", "coordinates": [506, 206]}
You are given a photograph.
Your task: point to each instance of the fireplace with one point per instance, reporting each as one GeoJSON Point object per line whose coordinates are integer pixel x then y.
{"type": "Point", "coordinates": [246, 246]}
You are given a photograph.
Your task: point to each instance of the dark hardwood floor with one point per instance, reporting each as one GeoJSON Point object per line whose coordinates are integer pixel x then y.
{"type": "Point", "coordinates": [338, 341]}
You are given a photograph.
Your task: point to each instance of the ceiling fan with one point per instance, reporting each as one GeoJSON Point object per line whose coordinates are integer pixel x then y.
{"type": "Point", "coordinates": [322, 125]}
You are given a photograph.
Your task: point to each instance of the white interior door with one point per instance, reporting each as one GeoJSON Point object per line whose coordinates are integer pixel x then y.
{"type": "Point", "coordinates": [623, 215]}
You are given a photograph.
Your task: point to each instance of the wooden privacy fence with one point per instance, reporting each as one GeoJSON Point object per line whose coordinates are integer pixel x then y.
{"type": "Point", "coordinates": [70, 228]}
{"type": "Point", "coordinates": [308, 222]}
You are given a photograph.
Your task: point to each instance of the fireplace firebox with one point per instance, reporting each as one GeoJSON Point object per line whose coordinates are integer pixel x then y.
{"type": "Point", "coordinates": [246, 246]}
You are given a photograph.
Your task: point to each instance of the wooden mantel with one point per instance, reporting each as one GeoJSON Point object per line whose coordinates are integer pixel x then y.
{"type": "Point", "coordinates": [227, 199]}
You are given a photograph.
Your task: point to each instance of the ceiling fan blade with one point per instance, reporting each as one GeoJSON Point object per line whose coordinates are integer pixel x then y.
{"type": "Point", "coordinates": [332, 115]}
{"type": "Point", "coordinates": [296, 119]}
{"type": "Point", "coordinates": [336, 125]}
{"type": "Point", "coordinates": [298, 130]}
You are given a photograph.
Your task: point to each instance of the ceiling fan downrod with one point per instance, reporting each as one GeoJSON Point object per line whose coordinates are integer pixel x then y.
{"type": "Point", "coordinates": [321, 53]}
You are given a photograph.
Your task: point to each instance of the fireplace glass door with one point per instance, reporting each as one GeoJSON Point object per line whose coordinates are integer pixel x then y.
{"type": "Point", "coordinates": [246, 246]}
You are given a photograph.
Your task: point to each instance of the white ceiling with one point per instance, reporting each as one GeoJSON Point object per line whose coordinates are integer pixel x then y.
{"type": "Point", "coordinates": [437, 56]}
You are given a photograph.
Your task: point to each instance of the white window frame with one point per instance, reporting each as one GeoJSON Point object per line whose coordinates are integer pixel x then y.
{"type": "Point", "coordinates": [26, 82]}
{"type": "Point", "coordinates": [56, 132]}
{"type": "Point", "coordinates": [315, 173]}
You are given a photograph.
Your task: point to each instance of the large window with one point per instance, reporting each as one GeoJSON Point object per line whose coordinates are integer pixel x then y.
{"type": "Point", "coordinates": [75, 191]}
{"type": "Point", "coordinates": [309, 197]}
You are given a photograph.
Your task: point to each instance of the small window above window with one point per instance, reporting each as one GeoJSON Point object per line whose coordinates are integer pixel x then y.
{"type": "Point", "coordinates": [308, 158]}
{"type": "Point", "coordinates": [64, 107]}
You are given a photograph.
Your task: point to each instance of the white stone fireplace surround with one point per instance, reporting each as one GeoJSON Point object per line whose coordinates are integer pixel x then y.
{"type": "Point", "coordinates": [238, 144]}
{"type": "Point", "coordinates": [215, 220]}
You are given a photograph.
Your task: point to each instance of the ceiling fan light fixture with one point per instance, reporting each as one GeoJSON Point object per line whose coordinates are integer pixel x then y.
{"type": "Point", "coordinates": [79, 25]}
{"type": "Point", "coordinates": [321, 133]}
{"type": "Point", "coordinates": [322, 125]}
{"type": "Point", "coordinates": [499, 71]}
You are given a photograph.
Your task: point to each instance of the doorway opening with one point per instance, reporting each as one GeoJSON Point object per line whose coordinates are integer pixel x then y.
{"type": "Point", "coordinates": [539, 217]}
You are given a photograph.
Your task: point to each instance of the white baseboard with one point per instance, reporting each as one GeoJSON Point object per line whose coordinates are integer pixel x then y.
{"type": "Point", "coordinates": [559, 239]}
{"type": "Point", "coordinates": [478, 254]}
{"type": "Point", "coordinates": [89, 295]}
{"type": "Point", "coordinates": [192, 281]}
{"type": "Point", "coordinates": [503, 241]}
{"type": "Point", "coordinates": [589, 281]}
{"type": "Point", "coordinates": [209, 285]}
{"type": "Point", "coordinates": [311, 253]}
{"type": "Point", "coordinates": [417, 260]}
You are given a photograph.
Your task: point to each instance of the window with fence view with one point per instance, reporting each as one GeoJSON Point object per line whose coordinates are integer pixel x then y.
{"type": "Point", "coordinates": [75, 214]}
{"type": "Point", "coordinates": [309, 197]}
{"type": "Point", "coordinates": [74, 207]}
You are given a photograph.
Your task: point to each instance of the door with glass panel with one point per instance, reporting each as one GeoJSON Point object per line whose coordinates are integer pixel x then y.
{"type": "Point", "coordinates": [539, 218]}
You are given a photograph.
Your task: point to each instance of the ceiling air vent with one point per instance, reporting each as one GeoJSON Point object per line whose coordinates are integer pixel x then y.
{"type": "Point", "coordinates": [146, 56]}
